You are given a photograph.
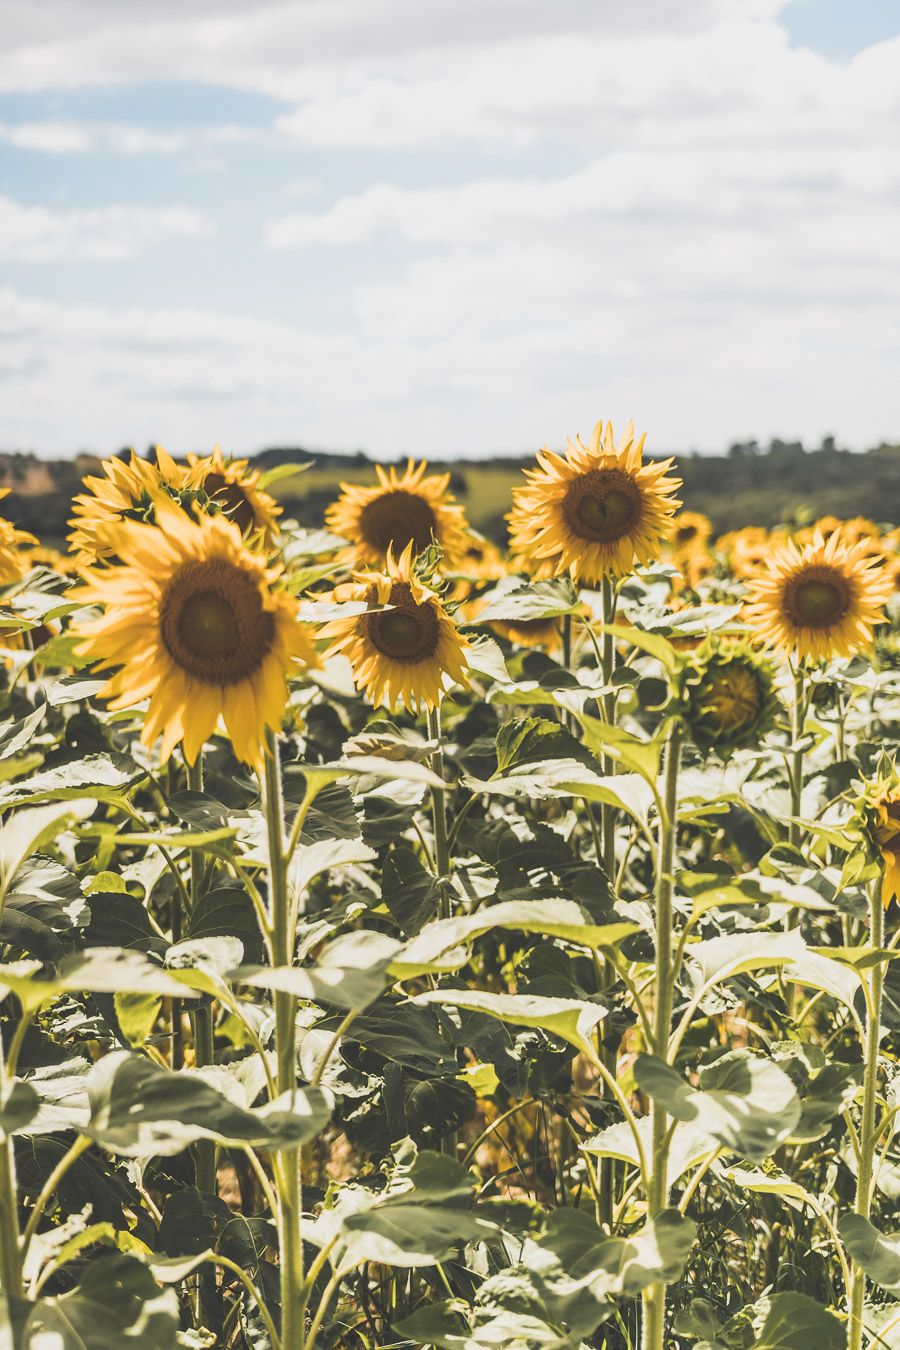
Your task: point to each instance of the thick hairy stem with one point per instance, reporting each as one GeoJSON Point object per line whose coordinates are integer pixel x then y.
{"type": "Point", "coordinates": [10, 1261]}
{"type": "Point", "coordinates": [608, 666]}
{"type": "Point", "coordinates": [202, 1018]}
{"type": "Point", "coordinates": [287, 1162]}
{"type": "Point", "coordinates": [654, 1298]}
{"type": "Point", "coordinates": [868, 1132]}
{"type": "Point", "coordinates": [439, 813]}
{"type": "Point", "coordinates": [607, 859]}
{"type": "Point", "coordinates": [795, 771]}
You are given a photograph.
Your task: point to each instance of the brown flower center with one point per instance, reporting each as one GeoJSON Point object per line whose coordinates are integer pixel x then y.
{"type": "Point", "coordinates": [602, 506]}
{"type": "Point", "coordinates": [408, 633]}
{"type": "Point", "coordinates": [817, 597]}
{"type": "Point", "coordinates": [213, 624]}
{"type": "Point", "coordinates": [395, 519]}
{"type": "Point", "coordinates": [232, 499]}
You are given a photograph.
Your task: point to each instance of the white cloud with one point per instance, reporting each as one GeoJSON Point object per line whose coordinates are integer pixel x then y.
{"type": "Point", "coordinates": [37, 234]}
{"type": "Point", "coordinates": [654, 208]}
{"type": "Point", "coordinates": [52, 138]}
{"type": "Point", "coordinates": [65, 138]}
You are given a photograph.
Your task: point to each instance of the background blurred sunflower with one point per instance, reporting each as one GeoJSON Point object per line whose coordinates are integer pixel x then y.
{"type": "Point", "coordinates": [885, 807]}
{"type": "Point", "coordinates": [819, 601]}
{"type": "Point", "coordinates": [14, 562]}
{"type": "Point", "coordinates": [129, 491]}
{"type": "Point", "coordinates": [193, 622]}
{"type": "Point", "coordinates": [234, 487]}
{"type": "Point", "coordinates": [401, 510]}
{"type": "Point", "coordinates": [596, 509]}
{"type": "Point", "coordinates": [407, 654]}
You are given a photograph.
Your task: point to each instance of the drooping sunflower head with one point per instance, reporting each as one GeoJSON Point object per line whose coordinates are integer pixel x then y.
{"type": "Point", "coordinates": [232, 487]}
{"type": "Point", "coordinates": [729, 696]}
{"type": "Point", "coordinates": [14, 559]}
{"type": "Point", "coordinates": [194, 621]}
{"type": "Point", "coordinates": [405, 647]}
{"type": "Point", "coordinates": [596, 509]}
{"type": "Point", "coordinates": [882, 810]}
{"type": "Point", "coordinates": [404, 510]}
{"type": "Point", "coordinates": [820, 601]}
{"type": "Point", "coordinates": [129, 490]}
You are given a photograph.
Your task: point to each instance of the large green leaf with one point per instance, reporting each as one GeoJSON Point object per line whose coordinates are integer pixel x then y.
{"type": "Point", "coordinates": [350, 973]}
{"type": "Point", "coordinates": [97, 970]}
{"type": "Point", "coordinates": [117, 1303]}
{"type": "Point", "coordinates": [792, 1321]}
{"type": "Point", "coordinates": [433, 948]}
{"type": "Point", "coordinates": [689, 1145]}
{"type": "Point", "coordinates": [570, 1019]}
{"type": "Point", "coordinates": [747, 1103]}
{"type": "Point", "coordinates": [103, 776]}
{"type": "Point", "coordinates": [878, 1253]}
{"type": "Point", "coordinates": [19, 1105]}
{"type": "Point", "coordinates": [16, 735]}
{"type": "Point", "coordinates": [25, 831]}
{"type": "Point", "coordinates": [721, 958]}
{"type": "Point", "coordinates": [139, 1108]}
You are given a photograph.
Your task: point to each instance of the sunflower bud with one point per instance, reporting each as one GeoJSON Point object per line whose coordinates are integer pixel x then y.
{"type": "Point", "coordinates": [729, 696]}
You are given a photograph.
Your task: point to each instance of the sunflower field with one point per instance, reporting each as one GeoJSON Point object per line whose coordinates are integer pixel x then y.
{"type": "Point", "coordinates": [408, 944]}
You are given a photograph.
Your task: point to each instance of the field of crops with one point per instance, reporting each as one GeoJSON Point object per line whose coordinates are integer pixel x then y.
{"type": "Point", "coordinates": [406, 945]}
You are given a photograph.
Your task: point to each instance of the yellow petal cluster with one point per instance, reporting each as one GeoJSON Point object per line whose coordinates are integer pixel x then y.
{"type": "Point", "coordinates": [193, 620]}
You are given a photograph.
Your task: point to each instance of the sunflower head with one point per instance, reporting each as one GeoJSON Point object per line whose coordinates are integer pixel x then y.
{"type": "Point", "coordinates": [545, 634]}
{"type": "Point", "coordinates": [882, 814]}
{"type": "Point", "coordinates": [404, 510]}
{"type": "Point", "coordinates": [14, 543]}
{"type": "Point", "coordinates": [129, 490]}
{"type": "Point", "coordinates": [729, 695]}
{"type": "Point", "coordinates": [193, 620]}
{"type": "Point", "coordinates": [232, 487]}
{"type": "Point", "coordinates": [405, 647]}
{"type": "Point", "coordinates": [820, 601]}
{"type": "Point", "coordinates": [594, 510]}
{"type": "Point", "coordinates": [690, 530]}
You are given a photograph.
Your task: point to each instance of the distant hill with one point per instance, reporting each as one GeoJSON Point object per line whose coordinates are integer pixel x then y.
{"type": "Point", "coordinates": [746, 486]}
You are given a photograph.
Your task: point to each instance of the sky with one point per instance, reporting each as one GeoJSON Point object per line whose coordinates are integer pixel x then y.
{"type": "Point", "coordinates": [465, 227]}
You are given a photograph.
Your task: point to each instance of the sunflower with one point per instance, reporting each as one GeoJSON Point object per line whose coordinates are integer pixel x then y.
{"type": "Point", "coordinates": [193, 621]}
{"type": "Point", "coordinates": [690, 530]}
{"type": "Point", "coordinates": [596, 509]}
{"type": "Point", "coordinates": [129, 491]}
{"type": "Point", "coordinates": [822, 600]}
{"type": "Point", "coordinates": [730, 696]}
{"type": "Point", "coordinates": [401, 510]}
{"type": "Point", "coordinates": [234, 488]}
{"type": "Point", "coordinates": [406, 653]}
{"type": "Point", "coordinates": [13, 561]}
{"type": "Point", "coordinates": [885, 820]}
{"type": "Point", "coordinates": [543, 633]}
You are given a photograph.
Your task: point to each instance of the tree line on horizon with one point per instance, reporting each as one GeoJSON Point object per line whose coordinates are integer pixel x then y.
{"type": "Point", "coordinates": [748, 484]}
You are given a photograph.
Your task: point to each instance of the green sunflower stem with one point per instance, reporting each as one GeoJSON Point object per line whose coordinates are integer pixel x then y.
{"type": "Point", "coordinates": [795, 769]}
{"type": "Point", "coordinates": [281, 951]}
{"type": "Point", "coordinates": [10, 1255]}
{"type": "Point", "coordinates": [868, 1131]}
{"type": "Point", "coordinates": [607, 859]}
{"type": "Point", "coordinates": [442, 862]}
{"type": "Point", "coordinates": [654, 1297]}
{"type": "Point", "coordinates": [607, 670]}
{"type": "Point", "coordinates": [202, 1018]}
